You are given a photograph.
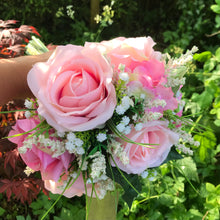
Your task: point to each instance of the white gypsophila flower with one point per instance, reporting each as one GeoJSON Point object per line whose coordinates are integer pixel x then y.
{"type": "Point", "coordinates": [124, 76]}
{"type": "Point", "coordinates": [28, 104]}
{"type": "Point", "coordinates": [27, 144]}
{"type": "Point", "coordinates": [101, 137]}
{"type": "Point", "coordinates": [157, 115]}
{"type": "Point", "coordinates": [120, 110]}
{"type": "Point", "coordinates": [152, 178]}
{"type": "Point", "coordinates": [83, 166]}
{"type": "Point", "coordinates": [197, 143]}
{"type": "Point", "coordinates": [103, 186]}
{"type": "Point", "coordinates": [155, 173]}
{"type": "Point", "coordinates": [73, 175]}
{"type": "Point", "coordinates": [144, 174]}
{"type": "Point", "coordinates": [125, 120]}
{"type": "Point", "coordinates": [120, 127]}
{"type": "Point", "coordinates": [78, 142]}
{"type": "Point", "coordinates": [71, 136]}
{"type": "Point", "coordinates": [142, 96]}
{"type": "Point", "coordinates": [70, 146]}
{"type": "Point", "coordinates": [134, 117]}
{"type": "Point", "coordinates": [173, 82]}
{"type": "Point", "coordinates": [27, 114]}
{"type": "Point", "coordinates": [138, 126]}
{"type": "Point", "coordinates": [22, 150]}
{"type": "Point", "coordinates": [121, 67]}
{"type": "Point", "coordinates": [117, 150]}
{"type": "Point", "coordinates": [126, 102]}
{"type": "Point", "coordinates": [124, 158]}
{"type": "Point", "coordinates": [60, 134]}
{"type": "Point", "coordinates": [80, 150]}
{"type": "Point", "coordinates": [89, 181]}
{"type": "Point", "coordinates": [98, 166]}
{"type": "Point", "coordinates": [127, 130]}
{"type": "Point", "coordinates": [184, 149]}
{"type": "Point", "coordinates": [28, 171]}
{"type": "Point", "coordinates": [152, 116]}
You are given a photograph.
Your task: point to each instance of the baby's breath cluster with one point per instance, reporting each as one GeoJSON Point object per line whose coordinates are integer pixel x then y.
{"type": "Point", "coordinates": [74, 145]}
{"type": "Point", "coordinates": [116, 149]}
{"type": "Point", "coordinates": [177, 67]}
{"type": "Point", "coordinates": [30, 104]}
{"type": "Point", "coordinates": [98, 167]}
{"type": "Point", "coordinates": [185, 138]}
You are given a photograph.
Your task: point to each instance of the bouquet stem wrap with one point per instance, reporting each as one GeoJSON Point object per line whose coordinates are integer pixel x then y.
{"type": "Point", "coordinates": [104, 209]}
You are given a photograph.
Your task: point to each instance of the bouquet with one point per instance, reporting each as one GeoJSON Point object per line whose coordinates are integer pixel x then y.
{"type": "Point", "coordinates": [104, 114]}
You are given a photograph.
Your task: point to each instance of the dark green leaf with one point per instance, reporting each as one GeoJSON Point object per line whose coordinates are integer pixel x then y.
{"type": "Point", "coordinates": [20, 217]}
{"type": "Point", "coordinates": [129, 192]}
{"type": "Point", "coordinates": [188, 168]}
{"type": "Point", "coordinates": [173, 155]}
{"type": "Point", "coordinates": [2, 211]}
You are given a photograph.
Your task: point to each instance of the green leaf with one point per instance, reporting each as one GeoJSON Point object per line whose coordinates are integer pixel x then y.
{"type": "Point", "coordinates": [166, 199]}
{"type": "Point", "coordinates": [188, 168]}
{"type": "Point", "coordinates": [2, 211]}
{"type": "Point", "coordinates": [209, 65]}
{"type": "Point", "coordinates": [195, 214]}
{"type": "Point", "coordinates": [217, 21]}
{"type": "Point", "coordinates": [210, 187]}
{"type": "Point", "coordinates": [202, 57]}
{"type": "Point", "coordinates": [204, 100]}
{"type": "Point", "coordinates": [217, 122]}
{"type": "Point", "coordinates": [207, 141]}
{"type": "Point", "coordinates": [66, 214]}
{"type": "Point", "coordinates": [129, 192]}
{"type": "Point", "coordinates": [36, 205]}
{"type": "Point", "coordinates": [20, 217]}
{"type": "Point", "coordinates": [173, 155]}
{"type": "Point", "coordinates": [215, 8]}
{"type": "Point", "coordinates": [217, 2]}
{"type": "Point", "coordinates": [28, 217]}
{"type": "Point", "coordinates": [217, 54]}
{"type": "Point", "coordinates": [217, 189]}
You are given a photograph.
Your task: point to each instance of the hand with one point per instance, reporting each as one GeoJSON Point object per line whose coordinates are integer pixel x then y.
{"type": "Point", "coordinates": [13, 76]}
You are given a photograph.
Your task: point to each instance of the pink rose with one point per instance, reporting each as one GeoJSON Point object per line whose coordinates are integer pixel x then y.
{"type": "Point", "coordinates": [123, 50]}
{"type": "Point", "coordinates": [137, 54]}
{"type": "Point", "coordinates": [74, 88]}
{"type": "Point", "coordinates": [150, 73]}
{"type": "Point", "coordinates": [141, 158]}
{"type": "Point", "coordinates": [35, 158]}
{"type": "Point", "coordinates": [77, 189]}
{"type": "Point", "coordinates": [166, 94]}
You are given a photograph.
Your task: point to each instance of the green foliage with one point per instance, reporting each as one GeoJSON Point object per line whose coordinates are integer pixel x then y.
{"type": "Point", "coordinates": [2, 211]}
{"type": "Point", "coordinates": [65, 208]}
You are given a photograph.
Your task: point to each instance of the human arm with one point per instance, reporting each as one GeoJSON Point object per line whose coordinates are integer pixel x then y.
{"type": "Point", "coordinates": [13, 76]}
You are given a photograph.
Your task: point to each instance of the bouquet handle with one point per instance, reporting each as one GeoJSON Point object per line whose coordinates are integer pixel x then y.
{"type": "Point", "coordinates": [102, 209]}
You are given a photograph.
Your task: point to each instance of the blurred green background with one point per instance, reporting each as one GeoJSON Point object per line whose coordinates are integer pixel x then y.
{"type": "Point", "coordinates": [181, 23]}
